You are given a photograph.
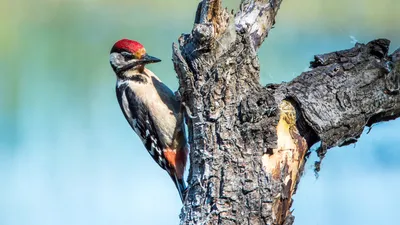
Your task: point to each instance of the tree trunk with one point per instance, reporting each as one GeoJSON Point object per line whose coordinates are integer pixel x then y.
{"type": "Point", "coordinates": [249, 143]}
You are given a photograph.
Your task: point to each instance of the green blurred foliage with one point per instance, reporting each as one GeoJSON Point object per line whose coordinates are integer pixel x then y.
{"type": "Point", "coordinates": [56, 51]}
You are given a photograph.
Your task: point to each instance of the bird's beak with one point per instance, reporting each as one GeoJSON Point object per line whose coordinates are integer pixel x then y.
{"type": "Point", "coordinates": [146, 59]}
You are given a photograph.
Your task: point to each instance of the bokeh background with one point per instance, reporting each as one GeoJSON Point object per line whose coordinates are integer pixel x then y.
{"type": "Point", "coordinates": [67, 155]}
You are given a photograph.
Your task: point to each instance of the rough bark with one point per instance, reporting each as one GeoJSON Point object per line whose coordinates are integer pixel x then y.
{"type": "Point", "coordinates": [249, 143]}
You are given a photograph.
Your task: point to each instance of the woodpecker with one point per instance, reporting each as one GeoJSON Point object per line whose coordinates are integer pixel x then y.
{"type": "Point", "coordinates": [150, 108]}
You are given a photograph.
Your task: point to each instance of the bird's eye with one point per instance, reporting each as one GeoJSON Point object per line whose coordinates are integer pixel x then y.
{"type": "Point", "coordinates": [127, 55]}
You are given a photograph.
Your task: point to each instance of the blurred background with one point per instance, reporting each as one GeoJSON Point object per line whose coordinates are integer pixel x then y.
{"type": "Point", "coordinates": [67, 155]}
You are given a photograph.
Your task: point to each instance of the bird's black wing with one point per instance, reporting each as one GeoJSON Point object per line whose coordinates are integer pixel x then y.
{"type": "Point", "coordinates": [138, 116]}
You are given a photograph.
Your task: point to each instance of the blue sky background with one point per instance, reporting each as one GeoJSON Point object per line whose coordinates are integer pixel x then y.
{"type": "Point", "coordinates": [67, 155]}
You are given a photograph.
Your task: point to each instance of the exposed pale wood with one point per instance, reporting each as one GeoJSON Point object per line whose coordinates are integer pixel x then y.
{"type": "Point", "coordinates": [257, 17]}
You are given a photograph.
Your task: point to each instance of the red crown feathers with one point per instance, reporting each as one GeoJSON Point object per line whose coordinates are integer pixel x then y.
{"type": "Point", "coordinates": [130, 45]}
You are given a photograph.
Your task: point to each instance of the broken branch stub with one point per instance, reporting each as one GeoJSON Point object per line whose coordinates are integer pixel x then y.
{"type": "Point", "coordinates": [346, 91]}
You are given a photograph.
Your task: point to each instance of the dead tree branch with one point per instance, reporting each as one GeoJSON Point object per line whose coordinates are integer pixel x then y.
{"type": "Point", "coordinates": [257, 17]}
{"type": "Point", "coordinates": [248, 142]}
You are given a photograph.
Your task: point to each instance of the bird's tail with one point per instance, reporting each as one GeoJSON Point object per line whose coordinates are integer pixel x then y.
{"type": "Point", "coordinates": [177, 170]}
{"type": "Point", "coordinates": [180, 185]}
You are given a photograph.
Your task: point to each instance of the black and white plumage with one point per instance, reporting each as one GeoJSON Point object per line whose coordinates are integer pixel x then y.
{"type": "Point", "coordinates": [151, 109]}
{"type": "Point", "coordinates": [137, 115]}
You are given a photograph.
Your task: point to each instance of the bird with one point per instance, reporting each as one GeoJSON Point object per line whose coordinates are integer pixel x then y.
{"type": "Point", "coordinates": [151, 108]}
